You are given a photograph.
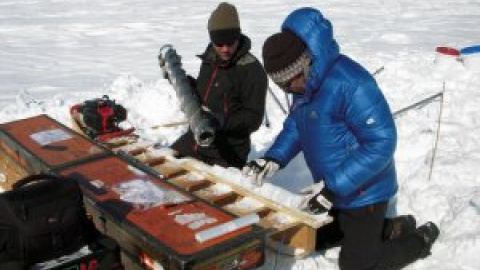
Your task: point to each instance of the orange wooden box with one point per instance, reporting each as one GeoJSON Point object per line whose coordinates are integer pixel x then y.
{"type": "Point", "coordinates": [40, 143]}
{"type": "Point", "coordinates": [147, 237]}
{"type": "Point", "coordinates": [155, 234]}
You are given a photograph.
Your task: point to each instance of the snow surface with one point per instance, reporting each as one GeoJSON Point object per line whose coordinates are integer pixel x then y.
{"type": "Point", "coordinates": [55, 53]}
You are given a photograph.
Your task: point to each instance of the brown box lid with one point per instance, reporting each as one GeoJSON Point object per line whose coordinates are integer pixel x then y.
{"type": "Point", "coordinates": [157, 225]}
{"type": "Point", "coordinates": [41, 139]}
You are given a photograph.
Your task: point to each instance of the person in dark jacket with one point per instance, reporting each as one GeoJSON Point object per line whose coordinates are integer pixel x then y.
{"type": "Point", "coordinates": [232, 85]}
{"type": "Point", "coordinates": [344, 127]}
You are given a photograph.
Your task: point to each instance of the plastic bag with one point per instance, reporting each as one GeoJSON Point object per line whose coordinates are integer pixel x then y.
{"type": "Point", "coordinates": [144, 194]}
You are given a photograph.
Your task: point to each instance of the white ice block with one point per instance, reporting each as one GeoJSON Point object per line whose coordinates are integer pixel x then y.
{"type": "Point", "coordinates": [227, 227]}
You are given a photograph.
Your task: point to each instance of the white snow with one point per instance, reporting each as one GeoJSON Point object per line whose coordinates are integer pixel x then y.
{"type": "Point", "coordinates": [56, 53]}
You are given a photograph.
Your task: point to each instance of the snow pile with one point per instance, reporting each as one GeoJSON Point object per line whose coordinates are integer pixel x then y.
{"type": "Point", "coordinates": [59, 53]}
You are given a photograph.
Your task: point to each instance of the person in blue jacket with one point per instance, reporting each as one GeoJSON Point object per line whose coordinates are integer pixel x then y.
{"type": "Point", "coordinates": [343, 125]}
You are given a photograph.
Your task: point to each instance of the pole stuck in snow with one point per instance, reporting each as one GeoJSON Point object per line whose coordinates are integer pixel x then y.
{"type": "Point", "coordinates": [437, 137]}
{"type": "Point", "coordinates": [422, 103]}
{"type": "Point", "coordinates": [202, 123]}
{"type": "Point", "coordinates": [277, 101]}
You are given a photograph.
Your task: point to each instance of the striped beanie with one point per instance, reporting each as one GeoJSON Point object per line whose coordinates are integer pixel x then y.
{"type": "Point", "coordinates": [284, 56]}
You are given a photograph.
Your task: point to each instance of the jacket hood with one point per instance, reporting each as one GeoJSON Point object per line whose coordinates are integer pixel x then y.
{"type": "Point", "coordinates": [317, 33]}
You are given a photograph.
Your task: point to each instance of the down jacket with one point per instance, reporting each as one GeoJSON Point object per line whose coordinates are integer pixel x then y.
{"type": "Point", "coordinates": [342, 123]}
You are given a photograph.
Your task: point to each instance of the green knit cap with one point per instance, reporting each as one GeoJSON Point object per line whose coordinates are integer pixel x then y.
{"type": "Point", "coordinates": [223, 24]}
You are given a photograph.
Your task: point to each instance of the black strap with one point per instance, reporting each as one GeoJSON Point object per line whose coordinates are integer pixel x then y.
{"type": "Point", "coordinates": [34, 178]}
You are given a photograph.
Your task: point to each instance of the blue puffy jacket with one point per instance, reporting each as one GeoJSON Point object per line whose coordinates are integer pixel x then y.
{"type": "Point", "coordinates": [342, 123]}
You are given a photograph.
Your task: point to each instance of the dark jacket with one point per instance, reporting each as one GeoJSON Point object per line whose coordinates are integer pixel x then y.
{"type": "Point", "coordinates": [342, 124]}
{"type": "Point", "coordinates": [234, 91]}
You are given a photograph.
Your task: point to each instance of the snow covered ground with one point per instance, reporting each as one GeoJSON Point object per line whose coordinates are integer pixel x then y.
{"type": "Point", "coordinates": [55, 53]}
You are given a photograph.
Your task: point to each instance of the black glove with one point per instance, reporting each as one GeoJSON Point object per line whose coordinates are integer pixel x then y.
{"type": "Point", "coordinates": [214, 121]}
{"type": "Point", "coordinates": [192, 81]}
{"type": "Point", "coordinates": [318, 199]}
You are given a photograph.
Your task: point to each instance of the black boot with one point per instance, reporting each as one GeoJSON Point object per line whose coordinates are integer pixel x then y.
{"type": "Point", "coordinates": [396, 227]}
{"type": "Point", "coordinates": [428, 232]}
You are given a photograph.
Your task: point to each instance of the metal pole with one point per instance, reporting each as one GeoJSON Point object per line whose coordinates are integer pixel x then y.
{"type": "Point", "coordinates": [287, 100]}
{"type": "Point", "coordinates": [378, 71]}
{"type": "Point", "coordinates": [267, 120]}
{"type": "Point", "coordinates": [418, 104]}
{"type": "Point", "coordinates": [275, 98]}
{"type": "Point", "coordinates": [437, 137]}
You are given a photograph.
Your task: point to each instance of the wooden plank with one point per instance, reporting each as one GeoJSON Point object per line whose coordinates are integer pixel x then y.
{"type": "Point", "coordinates": [297, 241]}
{"type": "Point", "coordinates": [190, 182]}
{"type": "Point", "coordinates": [169, 169]}
{"type": "Point", "coordinates": [217, 194]}
{"type": "Point", "coordinates": [245, 206]}
{"type": "Point", "coordinates": [193, 165]}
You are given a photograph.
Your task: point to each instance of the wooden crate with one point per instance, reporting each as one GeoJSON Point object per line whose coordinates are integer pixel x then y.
{"type": "Point", "coordinates": [39, 144]}
{"type": "Point", "coordinates": [155, 234]}
{"type": "Point", "coordinates": [10, 171]}
{"type": "Point", "coordinates": [290, 231]}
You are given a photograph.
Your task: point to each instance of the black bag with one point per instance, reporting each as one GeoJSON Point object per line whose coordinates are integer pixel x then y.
{"type": "Point", "coordinates": [43, 217]}
{"type": "Point", "coordinates": [103, 115]}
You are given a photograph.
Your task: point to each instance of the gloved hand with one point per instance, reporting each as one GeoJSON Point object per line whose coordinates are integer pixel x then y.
{"type": "Point", "coordinates": [318, 199]}
{"type": "Point", "coordinates": [215, 119]}
{"type": "Point", "coordinates": [259, 169]}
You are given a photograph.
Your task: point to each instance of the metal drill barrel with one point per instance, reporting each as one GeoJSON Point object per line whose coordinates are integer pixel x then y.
{"type": "Point", "coordinates": [202, 123]}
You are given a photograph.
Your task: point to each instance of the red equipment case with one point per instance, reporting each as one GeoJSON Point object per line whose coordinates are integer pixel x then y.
{"type": "Point", "coordinates": [154, 234]}
{"type": "Point", "coordinates": [41, 143]}
{"type": "Point", "coordinates": [150, 238]}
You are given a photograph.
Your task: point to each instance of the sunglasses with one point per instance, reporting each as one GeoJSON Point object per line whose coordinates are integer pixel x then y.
{"type": "Point", "coordinates": [222, 44]}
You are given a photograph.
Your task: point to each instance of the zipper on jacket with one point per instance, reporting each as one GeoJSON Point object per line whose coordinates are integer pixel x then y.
{"type": "Point", "coordinates": [209, 87]}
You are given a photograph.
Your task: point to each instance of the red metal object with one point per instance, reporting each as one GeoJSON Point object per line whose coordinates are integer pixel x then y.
{"type": "Point", "coordinates": [448, 51]}
{"type": "Point", "coordinates": [104, 136]}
